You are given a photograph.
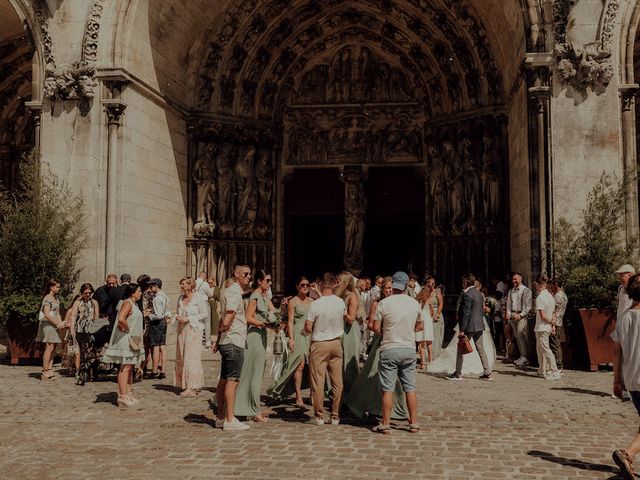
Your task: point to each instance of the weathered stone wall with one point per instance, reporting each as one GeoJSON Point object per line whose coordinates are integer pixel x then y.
{"type": "Point", "coordinates": [519, 197]}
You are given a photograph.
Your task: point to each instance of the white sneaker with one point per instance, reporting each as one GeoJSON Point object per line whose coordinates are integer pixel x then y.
{"type": "Point", "coordinates": [333, 421]}
{"type": "Point", "coordinates": [317, 421]}
{"type": "Point", "coordinates": [518, 361]}
{"type": "Point", "coordinates": [626, 395]}
{"type": "Point", "coordinates": [219, 423]}
{"type": "Point", "coordinates": [235, 425]}
{"type": "Point", "coordinates": [554, 376]}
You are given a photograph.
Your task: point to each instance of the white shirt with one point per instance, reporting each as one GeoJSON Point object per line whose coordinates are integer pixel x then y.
{"type": "Point", "coordinates": [399, 314]}
{"type": "Point", "coordinates": [624, 301]}
{"type": "Point", "coordinates": [232, 301]}
{"type": "Point", "coordinates": [546, 304]}
{"type": "Point", "coordinates": [627, 334]}
{"type": "Point", "coordinates": [203, 288]}
{"type": "Point", "coordinates": [327, 315]}
{"type": "Point", "coordinates": [372, 296]}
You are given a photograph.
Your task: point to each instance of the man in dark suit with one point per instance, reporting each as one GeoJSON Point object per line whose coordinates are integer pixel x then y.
{"type": "Point", "coordinates": [471, 325]}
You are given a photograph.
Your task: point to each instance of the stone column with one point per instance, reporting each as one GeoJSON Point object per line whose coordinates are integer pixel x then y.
{"type": "Point", "coordinates": [541, 182]}
{"type": "Point", "coordinates": [114, 109]}
{"type": "Point", "coordinates": [629, 157]}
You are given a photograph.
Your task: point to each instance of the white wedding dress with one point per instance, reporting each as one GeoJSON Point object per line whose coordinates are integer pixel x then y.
{"type": "Point", "coordinates": [471, 365]}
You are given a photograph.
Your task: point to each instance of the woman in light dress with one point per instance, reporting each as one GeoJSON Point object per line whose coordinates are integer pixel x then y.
{"type": "Point", "coordinates": [260, 315]}
{"type": "Point", "coordinates": [472, 366]}
{"type": "Point", "coordinates": [437, 300]}
{"type": "Point", "coordinates": [424, 339]}
{"type": "Point", "coordinates": [351, 338]}
{"type": "Point", "coordinates": [191, 314]}
{"type": "Point", "coordinates": [365, 398]}
{"type": "Point", "coordinates": [126, 345]}
{"type": "Point", "coordinates": [48, 327]}
{"type": "Point", "coordinates": [292, 375]}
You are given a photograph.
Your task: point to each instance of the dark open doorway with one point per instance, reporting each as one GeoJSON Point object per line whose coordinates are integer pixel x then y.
{"type": "Point", "coordinates": [314, 225]}
{"type": "Point", "coordinates": [395, 233]}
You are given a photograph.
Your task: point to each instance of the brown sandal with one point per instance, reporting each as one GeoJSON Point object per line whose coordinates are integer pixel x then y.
{"type": "Point", "coordinates": [43, 375]}
{"type": "Point", "coordinates": [624, 461]}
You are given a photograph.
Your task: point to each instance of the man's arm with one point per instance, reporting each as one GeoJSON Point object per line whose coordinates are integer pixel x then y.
{"type": "Point", "coordinates": [509, 306]}
{"type": "Point", "coordinates": [227, 320]}
{"type": "Point", "coordinates": [527, 303]}
{"type": "Point", "coordinates": [618, 385]}
{"type": "Point", "coordinates": [465, 315]}
{"type": "Point", "coordinates": [377, 326]}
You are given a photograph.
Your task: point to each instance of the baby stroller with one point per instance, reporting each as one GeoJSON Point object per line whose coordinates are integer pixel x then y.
{"type": "Point", "coordinates": [91, 337]}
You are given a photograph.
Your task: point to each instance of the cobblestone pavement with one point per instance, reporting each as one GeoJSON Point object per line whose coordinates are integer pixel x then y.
{"type": "Point", "coordinates": [517, 427]}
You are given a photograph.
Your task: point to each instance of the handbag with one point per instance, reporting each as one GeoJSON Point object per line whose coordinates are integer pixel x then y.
{"type": "Point", "coordinates": [464, 345]}
{"type": "Point", "coordinates": [135, 343]}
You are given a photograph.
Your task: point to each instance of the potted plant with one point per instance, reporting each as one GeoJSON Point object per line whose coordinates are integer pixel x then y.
{"type": "Point", "coordinates": [586, 257]}
{"type": "Point", "coordinates": [41, 236]}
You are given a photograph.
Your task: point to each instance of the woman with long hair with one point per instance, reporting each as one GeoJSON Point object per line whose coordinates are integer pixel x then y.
{"type": "Point", "coordinates": [260, 315]}
{"type": "Point", "coordinates": [125, 347]}
{"type": "Point", "coordinates": [424, 339]}
{"type": "Point", "coordinates": [364, 397]}
{"type": "Point", "coordinates": [191, 314]}
{"type": "Point", "coordinates": [293, 372]}
{"type": "Point", "coordinates": [437, 301]}
{"type": "Point", "coordinates": [48, 326]}
{"type": "Point", "coordinates": [351, 338]}
{"type": "Point", "coordinates": [84, 310]}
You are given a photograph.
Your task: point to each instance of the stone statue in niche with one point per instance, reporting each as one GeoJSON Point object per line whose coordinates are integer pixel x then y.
{"type": "Point", "coordinates": [455, 185]}
{"type": "Point", "coordinates": [471, 182]}
{"type": "Point", "coordinates": [438, 173]}
{"type": "Point", "coordinates": [265, 179]}
{"type": "Point", "coordinates": [355, 210]}
{"type": "Point", "coordinates": [491, 179]}
{"type": "Point", "coordinates": [342, 77]}
{"type": "Point", "coordinates": [224, 174]}
{"type": "Point", "coordinates": [204, 178]}
{"type": "Point", "coordinates": [246, 193]}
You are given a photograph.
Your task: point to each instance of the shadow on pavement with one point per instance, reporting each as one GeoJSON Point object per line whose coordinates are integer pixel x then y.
{"type": "Point", "coordinates": [575, 463]}
{"type": "Point", "coordinates": [199, 418]}
{"type": "Point", "coordinates": [582, 390]}
{"type": "Point", "coordinates": [516, 373]}
{"type": "Point", "coordinates": [107, 397]}
{"type": "Point", "coordinates": [167, 388]}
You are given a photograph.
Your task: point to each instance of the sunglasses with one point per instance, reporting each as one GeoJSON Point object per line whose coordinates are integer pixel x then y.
{"type": "Point", "coordinates": [304, 284]}
{"type": "Point", "coordinates": [246, 274]}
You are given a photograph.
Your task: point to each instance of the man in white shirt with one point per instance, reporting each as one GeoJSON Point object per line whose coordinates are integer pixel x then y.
{"type": "Point", "coordinates": [626, 368]}
{"type": "Point", "coordinates": [203, 288]}
{"type": "Point", "coordinates": [519, 303]}
{"type": "Point", "coordinates": [625, 272]}
{"type": "Point", "coordinates": [232, 338]}
{"type": "Point", "coordinates": [325, 324]}
{"type": "Point", "coordinates": [545, 306]}
{"type": "Point", "coordinates": [398, 319]}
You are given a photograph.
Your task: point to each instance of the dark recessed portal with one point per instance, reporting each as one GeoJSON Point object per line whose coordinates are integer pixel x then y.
{"type": "Point", "coordinates": [395, 232]}
{"type": "Point", "coordinates": [314, 225]}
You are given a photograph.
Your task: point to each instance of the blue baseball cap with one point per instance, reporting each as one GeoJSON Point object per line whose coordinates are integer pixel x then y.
{"type": "Point", "coordinates": [399, 281]}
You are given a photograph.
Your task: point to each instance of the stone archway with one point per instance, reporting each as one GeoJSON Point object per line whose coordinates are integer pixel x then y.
{"type": "Point", "coordinates": [351, 85]}
{"type": "Point", "coordinates": [17, 52]}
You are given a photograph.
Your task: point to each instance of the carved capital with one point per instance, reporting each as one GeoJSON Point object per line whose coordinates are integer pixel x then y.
{"type": "Point", "coordinates": [115, 110]}
{"type": "Point", "coordinates": [628, 93]}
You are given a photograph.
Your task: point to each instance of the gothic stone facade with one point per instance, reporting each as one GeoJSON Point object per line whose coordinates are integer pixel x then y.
{"type": "Point", "coordinates": [184, 125]}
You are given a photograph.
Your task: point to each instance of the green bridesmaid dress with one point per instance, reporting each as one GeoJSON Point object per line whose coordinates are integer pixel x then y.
{"type": "Point", "coordinates": [247, 402]}
{"type": "Point", "coordinates": [365, 396]}
{"type": "Point", "coordinates": [438, 330]}
{"type": "Point", "coordinates": [285, 387]}
{"type": "Point", "coordinates": [351, 354]}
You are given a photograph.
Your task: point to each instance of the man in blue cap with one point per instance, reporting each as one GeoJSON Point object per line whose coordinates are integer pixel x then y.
{"type": "Point", "coordinates": [398, 318]}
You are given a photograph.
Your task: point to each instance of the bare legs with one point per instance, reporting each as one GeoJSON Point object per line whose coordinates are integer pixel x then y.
{"type": "Point", "coordinates": [226, 398]}
{"type": "Point", "coordinates": [124, 380]}
{"type": "Point", "coordinates": [159, 358]}
{"type": "Point", "coordinates": [47, 361]}
{"type": "Point", "coordinates": [421, 347]}
{"type": "Point", "coordinates": [429, 351]}
{"type": "Point", "coordinates": [387, 405]}
{"type": "Point", "coordinates": [297, 382]}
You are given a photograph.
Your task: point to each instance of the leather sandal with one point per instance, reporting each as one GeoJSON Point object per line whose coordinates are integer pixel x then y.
{"type": "Point", "coordinates": [44, 376]}
{"type": "Point", "coordinates": [414, 428]}
{"type": "Point", "coordinates": [625, 462]}
{"type": "Point", "coordinates": [385, 429]}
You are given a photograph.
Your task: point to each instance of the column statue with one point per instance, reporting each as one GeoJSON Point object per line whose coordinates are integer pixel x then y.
{"type": "Point", "coordinates": [355, 210]}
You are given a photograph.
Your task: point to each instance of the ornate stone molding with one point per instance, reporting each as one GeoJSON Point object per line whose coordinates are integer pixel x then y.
{"type": "Point", "coordinates": [91, 33]}
{"type": "Point", "coordinates": [628, 92]}
{"type": "Point", "coordinates": [588, 65]}
{"type": "Point", "coordinates": [114, 110]}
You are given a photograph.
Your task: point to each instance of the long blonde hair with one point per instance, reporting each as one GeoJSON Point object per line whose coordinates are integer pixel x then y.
{"type": "Point", "coordinates": [345, 285]}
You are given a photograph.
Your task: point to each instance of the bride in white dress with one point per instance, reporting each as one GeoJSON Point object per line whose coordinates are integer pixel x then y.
{"type": "Point", "coordinates": [446, 361]}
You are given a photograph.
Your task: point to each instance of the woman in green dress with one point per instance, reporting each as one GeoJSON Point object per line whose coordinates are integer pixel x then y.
{"type": "Point", "coordinates": [437, 301]}
{"type": "Point", "coordinates": [126, 345]}
{"type": "Point", "coordinates": [260, 314]}
{"type": "Point", "coordinates": [293, 371]}
{"type": "Point", "coordinates": [351, 338]}
{"type": "Point", "coordinates": [48, 327]}
{"type": "Point", "coordinates": [365, 397]}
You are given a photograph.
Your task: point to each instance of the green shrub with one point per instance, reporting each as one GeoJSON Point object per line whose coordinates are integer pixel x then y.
{"type": "Point", "coordinates": [41, 236]}
{"type": "Point", "coordinates": [587, 255]}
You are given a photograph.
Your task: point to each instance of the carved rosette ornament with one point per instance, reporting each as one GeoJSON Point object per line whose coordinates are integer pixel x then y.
{"type": "Point", "coordinates": [588, 65]}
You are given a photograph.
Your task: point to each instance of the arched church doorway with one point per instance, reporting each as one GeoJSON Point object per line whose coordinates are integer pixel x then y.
{"type": "Point", "coordinates": [16, 125]}
{"type": "Point", "coordinates": [406, 92]}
